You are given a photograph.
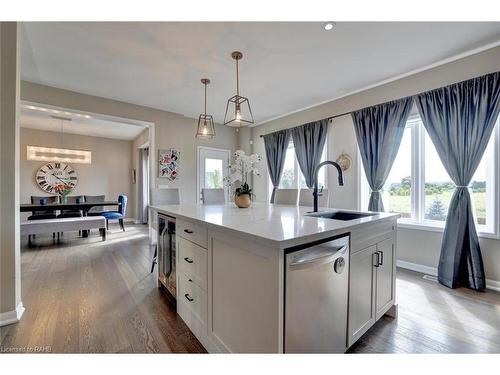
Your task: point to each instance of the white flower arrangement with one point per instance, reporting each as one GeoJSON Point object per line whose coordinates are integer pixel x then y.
{"type": "Point", "coordinates": [240, 169]}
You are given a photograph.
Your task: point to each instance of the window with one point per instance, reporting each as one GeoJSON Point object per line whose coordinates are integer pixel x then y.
{"type": "Point", "coordinates": [292, 177]}
{"type": "Point", "coordinates": [213, 173]}
{"type": "Point", "coordinates": [396, 193]}
{"type": "Point", "coordinates": [419, 188]}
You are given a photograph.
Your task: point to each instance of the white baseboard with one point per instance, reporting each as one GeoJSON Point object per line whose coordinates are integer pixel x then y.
{"type": "Point", "coordinates": [490, 284]}
{"type": "Point", "coordinates": [13, 316]}
{"type": "Point", "coordinates": [493, 285]}
{"type": "Point", "coordinates": [417, 267]}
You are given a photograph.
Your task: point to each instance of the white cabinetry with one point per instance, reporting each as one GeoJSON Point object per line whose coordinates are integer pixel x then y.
{"type": "Point", "coordinates": [191, 242]}
{"type": "Point", "coordinates": [372, 281]}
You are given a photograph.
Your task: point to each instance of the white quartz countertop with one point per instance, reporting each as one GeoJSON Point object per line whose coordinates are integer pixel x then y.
{"type": "Point", "coordinates": [277, 225]}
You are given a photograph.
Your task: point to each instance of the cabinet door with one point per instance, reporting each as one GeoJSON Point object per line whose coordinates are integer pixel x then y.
{"type": "Point", "coordinates": [385, 277]}
{"type": "Point", "coordinates": [361, 293]}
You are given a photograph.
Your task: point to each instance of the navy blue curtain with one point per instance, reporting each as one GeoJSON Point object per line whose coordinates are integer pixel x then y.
{"type": "Point", "coordinates": [309, 141]}
{"type": "Point", "coordinates": [379, 130]}
{"type": "Point", "coordinates": [460, 119]}
{"type": "Point", "coordinates": [276, 144]}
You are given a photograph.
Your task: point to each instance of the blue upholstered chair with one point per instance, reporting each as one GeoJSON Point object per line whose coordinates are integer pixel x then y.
{"type": "Point", "coordinates": [117, 215]}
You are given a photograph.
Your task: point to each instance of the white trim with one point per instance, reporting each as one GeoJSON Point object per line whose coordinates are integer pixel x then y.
{"type": "Point", "coordinates": [493, 285]}
{"type": "Point", "coordinates": [144, 145]}
{"type": "Point", "coordinates": [198, 168]}
{"type": "Point", "coordinates": [438, 227]}
{"type": "Point", "coordinates": [388, 80]}
{"type": "Point", "coordinates": [417, 267]}
{"type": "Point", "coordinates": [490, 284]}
{"type": "Point", "coordinates": [13, 316]}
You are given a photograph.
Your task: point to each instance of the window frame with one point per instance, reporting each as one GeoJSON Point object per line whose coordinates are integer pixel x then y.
{"type": "Point", "coordinates": [297, 172]}
{"type": "Point", "coordinates": [417, 196]}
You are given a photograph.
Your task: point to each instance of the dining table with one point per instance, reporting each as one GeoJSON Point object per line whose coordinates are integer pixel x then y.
{"type": "Point", "coordinates": [83, 206]}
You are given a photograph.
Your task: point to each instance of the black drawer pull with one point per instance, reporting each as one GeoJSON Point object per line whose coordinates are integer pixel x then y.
{"type": "Point", "coordinates": [381, 258]}
{"type": "Point", "coordinates": [190, 280]}
{"type": "Point", "coordinates": [188, 260]}
{"type": "Point", "coordinates": [188, 298]}
{"type": "Point", "coordinates": [188, 231]}
{"type": "Point", "coordinates": [377, 261]}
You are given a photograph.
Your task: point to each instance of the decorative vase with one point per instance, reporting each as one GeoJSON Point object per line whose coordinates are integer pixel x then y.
{"type": "Point", "coordinates": [243, 200]}
{"type": "Point", "coordinates": [64, 199]}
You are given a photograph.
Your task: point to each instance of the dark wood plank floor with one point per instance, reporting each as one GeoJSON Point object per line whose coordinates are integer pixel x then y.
{"type": "Point", "coordinates": [89, 296]}
{"type": "Point", "coordinates": [85, 295]}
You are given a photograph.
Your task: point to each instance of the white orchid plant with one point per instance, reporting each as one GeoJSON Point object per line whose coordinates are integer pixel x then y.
{"type": "Point", "coordinates": [242, 167]}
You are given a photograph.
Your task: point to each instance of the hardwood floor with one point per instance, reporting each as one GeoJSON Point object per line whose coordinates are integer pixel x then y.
{"type": "Point", "coordinates": [436, 319]}
{"type": "Point", "coordinates": [85, 295]}
{"type": "Point", "coordinates": [89, 296]}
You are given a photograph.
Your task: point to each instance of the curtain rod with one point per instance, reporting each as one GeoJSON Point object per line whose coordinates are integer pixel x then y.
{"type": "Point", "coordinates": [348, 113]}
{"type": "Point", "coordinates": [328, 118]}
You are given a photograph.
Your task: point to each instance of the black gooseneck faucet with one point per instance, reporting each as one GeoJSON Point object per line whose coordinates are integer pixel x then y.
{"type": "Point", "coordinates": [315, 192]}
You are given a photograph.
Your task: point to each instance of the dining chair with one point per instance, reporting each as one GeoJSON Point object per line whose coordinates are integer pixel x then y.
{"type": "Point", "coordinates": [213, 196]}
{"type": "Point", "coordinates": [167, 196]}
{"type": "Point", "coordinates": [72, 212]}
{"type": "Point", "coordinates": [286, 196]}
{"type": "Point", "coordinates": [117, 215]}
{"type": "Point", "coordinates": [43, 214]}
{"type": "Point", "coordinates": [96, 210]}
{"type": "Point", "coordinates": [306, 198]}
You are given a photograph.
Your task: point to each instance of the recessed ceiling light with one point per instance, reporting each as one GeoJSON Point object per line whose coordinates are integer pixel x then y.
{"type": "Point", "coordinates": [329, 25]}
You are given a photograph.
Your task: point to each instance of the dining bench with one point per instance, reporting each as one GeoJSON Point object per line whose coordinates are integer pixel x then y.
{"type": "Point", "coordinates": [84, 223]}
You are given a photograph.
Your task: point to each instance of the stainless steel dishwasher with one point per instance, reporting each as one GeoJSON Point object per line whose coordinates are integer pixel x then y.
{"type": "Point", "coordinates": [316, 293]}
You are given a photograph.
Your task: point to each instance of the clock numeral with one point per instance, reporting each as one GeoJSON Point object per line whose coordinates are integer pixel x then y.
{"type": "Point", "coordinates": [66, 167]}
{"type": "Point", "coordinates": [40, 178]}
{"type": "Point", "coordinates": [50, 166]}
{"type": "Point", "coordinates": [58, 165]}
{"type": "Point", "coordinates": [50, 189]}
{"type": "Point", "coordinates": [71, 172]}
{"type": "Point", "coordinates": [72, 178]}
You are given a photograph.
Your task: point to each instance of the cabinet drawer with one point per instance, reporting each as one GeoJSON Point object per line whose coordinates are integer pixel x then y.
{"type": "Point", "coordinates": [192, 260]}
{"type": "Point", "coordinates": [372, 234]}
{"type": "Point", "coordinates": [192, 231]}
{"type": "Point", "coordinates": [192, 305]}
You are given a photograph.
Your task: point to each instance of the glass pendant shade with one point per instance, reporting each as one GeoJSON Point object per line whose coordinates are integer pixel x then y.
{"type": "Point", "coordinates": [238, 111]}
{"type": "Point", "coordinates": [206, 128]}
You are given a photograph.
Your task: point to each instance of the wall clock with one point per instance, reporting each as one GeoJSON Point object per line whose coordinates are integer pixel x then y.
{"type": "Point", "coordinates": [52, 174]}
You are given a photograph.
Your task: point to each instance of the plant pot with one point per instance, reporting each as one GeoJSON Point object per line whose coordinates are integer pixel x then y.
{"type": "Point", "coordinates": [64, 199]}
{"type": "Point", "coordinates": [243, 200]}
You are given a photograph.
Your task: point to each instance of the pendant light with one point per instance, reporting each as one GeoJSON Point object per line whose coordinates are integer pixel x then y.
{"type": "Point", "coordinates": [238, 111]}
{"type": "Point", "coordinates": [206, 128]}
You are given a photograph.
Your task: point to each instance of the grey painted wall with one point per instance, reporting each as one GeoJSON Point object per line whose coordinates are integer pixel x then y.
{"type": "Point", "coordinates": [10, 254]}
{"type": "Point", "coordinates": [109, 174]}
{"type": "Point", "coordinates": [171, 130]}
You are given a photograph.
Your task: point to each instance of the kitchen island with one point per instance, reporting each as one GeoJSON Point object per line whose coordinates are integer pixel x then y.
{"type": "Point", "coordinates": [231, 265]}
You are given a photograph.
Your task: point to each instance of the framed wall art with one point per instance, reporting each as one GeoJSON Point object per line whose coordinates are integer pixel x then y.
{"type": "Point", "coordinates": [168, 164]}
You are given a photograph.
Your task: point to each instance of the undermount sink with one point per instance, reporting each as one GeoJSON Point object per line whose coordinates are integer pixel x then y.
{"type": "Point", "coordinates": [341, 215]}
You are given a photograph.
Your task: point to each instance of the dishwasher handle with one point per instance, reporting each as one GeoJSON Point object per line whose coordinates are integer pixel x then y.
{"type": "Point", "coordinates": [324, 258]}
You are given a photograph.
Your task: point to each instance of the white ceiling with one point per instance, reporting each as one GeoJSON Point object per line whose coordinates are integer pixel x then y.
{"type": "Point", "coordinates": [94, 127]}
{"type": "Point", "coordinates": [286, 66]}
